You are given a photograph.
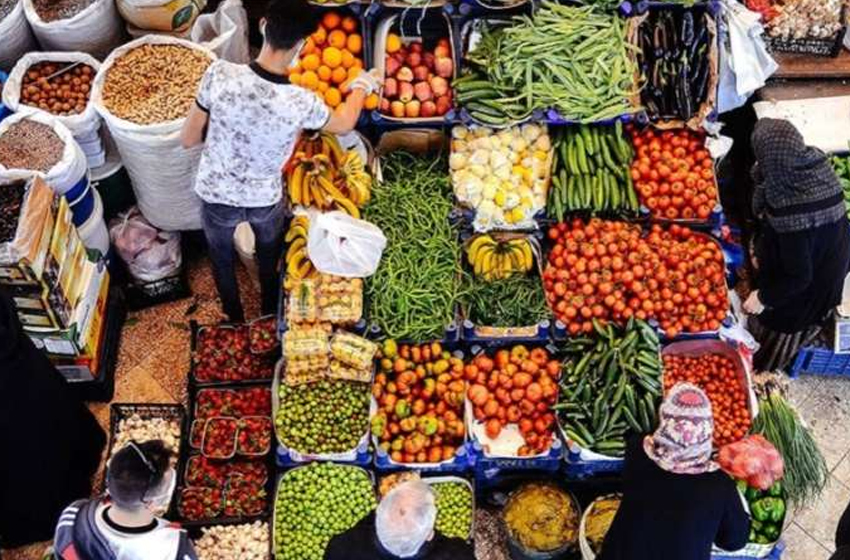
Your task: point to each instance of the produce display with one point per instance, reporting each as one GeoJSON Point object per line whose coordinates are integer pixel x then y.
{"type": "Point", "coordinates": [353, 350]}
{"type": "Point", "coordinates": [841, 165]}
{"type": "Point", "coordinates": [238, 403]}
{"type": "Point", "coordinates": [417, 80]}
{"type": "Point", "coordinates": [219, 440]}
{"type": "Point", "coordinates": [262, 335]}
{"type": "Point", "coordinates": [296, 261]}
{"type": "Point", "coordinates": [140, 429]}
{"type": "Point", "coordinates": [515, 301]}
{"type": "Point", "coordinates": [454, 509]}
{"type": "Point", "coordinates": [767, 512]}
{"type": "Point", "coordinates": [720, 378]}
{"type": "Point", "coordinates": [249, 541]}
{"type": "Point", "coordinates": [515, 390]}
{"type": "Point", "coordinates": [499, 258]}
{"type": "Point", "coordinates": [611, 271]}
{"type": "Point", "coordinates": [673, 173]}
{"type": "Point", "coordinates": [542, 518]}
{"type": "Point", "coordinates": [53, 10]}
{"type": "Point", "coordinates": [255, 436]}
{"type": "Point", "coordinates": [306, 354]}
{"type": "Point", "coordinates": [59, 89]}
{"type": "Point", "coordinates": [243, 498]}
{"type": "Point", "coordinates": [154, 83]}
{"type": "Point", "coordinates": [611, 387]}
{"type": "Point", "coordinates": [598, 519]}
{"type": "Point", "coordinates": [321, 173]}
{"type": "Point", "coordinates": [223, 353]}
{"type": "Point", "coordinates": [11, 204]}
{"type": "Point", "coordinates": [331, 58]}
{"type": "Point", "coordinates": [204, 472]}
{"type": "Point", "coordinates": [328, 416]}
{"type": "Point", "coordinates": [315, 503]}
{"type": "Point", "coordinates": [501, 174]}
{"type": "Point", "coordinates": [413, 293]}
{"type": "Point", "coordinates": [582, 69]}
{"type": "Point", "coordinates": [806, 472]}
{"type": "Point", "coordinates": [591, 172]}
{"type": "Point", "coordinates": [800, 19]}
{"type": "Point", "coordinates": [28, 144]}
{"type": "Point", "coordinates": [674, 56]}
{"type": "Point", "coordinates": [419, 391]}
{"type": "Point", "coordinates": [200, 503]}
{"type": "Point", "coordinates": [753, 460]}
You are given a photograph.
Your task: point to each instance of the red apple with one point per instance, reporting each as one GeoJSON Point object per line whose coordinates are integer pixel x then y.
{"type": "Point", "coordinates": [385, 105]}
{"type": "Point", "coordinates": [414, 59]}
{"type": "Point", "coordinates": [390, 87]}
{"type": "Point", "coordinates": [429, 109]}
{"type": "Point", "coordinates": [443, 50]}
{"type": "Point", "coordinates": [411, 109]}
{"type": "Point", "coordinates": [429, 59]}
{"type": "Point", "coordinates": [397, 109]}
{"type": "Point", "coordinates": [391, 66]}
{"type": "Point", "coordinates": [405, 92]}
{"type": "Point", "coordinates": [439, 85]}
{"type": "Point", "coordinates": [416, 47]}
{"type": "Point", "coordinates": [420, 73]}
{"type": "Point", "coordinates": [443, 105]}
{"type": "Point", "coordinates": [399, 57]}
{"type": "Point", "coordinates": [444, 67]}
{"type": "Point", "coordinates": [422, 91]}
{"type": "Point", "coordinates": [405, 74]}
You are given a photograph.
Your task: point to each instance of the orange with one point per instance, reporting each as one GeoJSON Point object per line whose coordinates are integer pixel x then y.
{"type": "Point", "coordinates": [309, 47]}
{"type": "Point", "coordinates": [331, 20]}
{"type": "Point", "coordinates": [347, 58]}
{"type": "Point", "coordinates": [324, 73]}
{"type": "Point", "coordinates": [393, 43]}
{"type": "Point", "coordinates": [353, 72]}
{"type": "Point", "coordinates": [309, 79]}
{"type": "Point", "coordinates": [323, 87]}
{"type": "Point", "coordinates": [319, 36]}
{"type": "Point", "coordinates": [310, 62]}
{"type": "Point", "coordinates": [354, 43]}
{"type": "Point", "coordinates": [333, 97]}
{"type": "Point", "coordinates": [332, 57]}
{"type": "Point", "coordinates": [349, 24]}
{"type": "Point", "coordinates": [295, 78]}
{"type": "Point", "coordinates": [336, 38]}
{"type": "Point", "coordinates": [339, 75]}
{"type": "Point", "coordinates": [371, 102]}
{"type": "Point", "coordinates": [296, 67]}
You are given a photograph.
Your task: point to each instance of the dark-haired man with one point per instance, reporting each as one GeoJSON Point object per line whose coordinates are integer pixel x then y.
{"type": "Point", "coordinates": [250, 118]}
{"type": "Point", "coordinates": [124, 526]}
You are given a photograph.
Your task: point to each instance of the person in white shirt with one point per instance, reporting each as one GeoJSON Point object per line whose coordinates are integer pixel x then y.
{"type": "Point", "coordinates": [124, 525]}
{"type": "Point", "coordinates": [249, 118]}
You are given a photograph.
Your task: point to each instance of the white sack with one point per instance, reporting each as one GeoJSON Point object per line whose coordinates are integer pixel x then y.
{"type": "Point", "coordinates": [97, 29]}
{"type": "Point", "coordinates": [224, 32]}
{"type": "Point", "coordinates": [17, 37]}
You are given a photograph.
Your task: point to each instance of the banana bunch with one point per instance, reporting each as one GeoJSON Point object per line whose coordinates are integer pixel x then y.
{"type": "Point", "coordinates": [298, 265]}
{"type": "Point", "coordinates": [323, 175]}
{"type": "Point", "coordinates": [493, 259]}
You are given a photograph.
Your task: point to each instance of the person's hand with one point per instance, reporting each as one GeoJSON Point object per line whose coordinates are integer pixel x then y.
{"type": "Point", "coordinates": [369, 81]}
{"type": "Point", "coordinates": [753, 304]}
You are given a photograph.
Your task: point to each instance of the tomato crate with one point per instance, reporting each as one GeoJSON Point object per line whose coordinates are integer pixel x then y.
{"type": "Point", "coordinates": [820, 361]}
{"type": "Point", "coordinates": [463, 461]}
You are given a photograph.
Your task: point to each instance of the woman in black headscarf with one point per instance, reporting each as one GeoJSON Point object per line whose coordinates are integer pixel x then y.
{"type": "Point", "coordinates": [50, 443]}
{"type": "Point", "coordinates": [802, 250]}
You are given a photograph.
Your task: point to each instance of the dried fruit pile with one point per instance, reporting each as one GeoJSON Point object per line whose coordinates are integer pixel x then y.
{"type": "Point", "coordinates": [64, 94]}
{"type": "Point", "coordinates": [11, 202]}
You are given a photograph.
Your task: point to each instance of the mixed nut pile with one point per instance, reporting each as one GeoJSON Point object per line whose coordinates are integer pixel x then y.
{"type": "Point", "coordinates": [53, 10]}
{"type": "Point", "coordinates": [28, 144]}
{"type": "Point", "coordinates": [154, 83]}
{"type": "Point", "coordinates": [63, 94]}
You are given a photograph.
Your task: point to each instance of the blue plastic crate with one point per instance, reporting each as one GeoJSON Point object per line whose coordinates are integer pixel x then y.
{"type": "Point", "coordinates": [493, 465]}
{"type": "Point", "coordinates": [575, 468]}
{"type": "Point", "coordinates": [820, 361]}
{"type": "Point", "coordinates": [284, 459]}
{"type": "Point", "coordinates": [463, 461]}
{"type": "Point", "coordinates": [775, 555]}
{"type": "Point", "coordinates": [4, 111]}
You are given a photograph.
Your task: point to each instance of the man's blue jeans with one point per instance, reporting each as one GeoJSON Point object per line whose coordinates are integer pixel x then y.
{"type": "Point", "coordinates": [219, 222]}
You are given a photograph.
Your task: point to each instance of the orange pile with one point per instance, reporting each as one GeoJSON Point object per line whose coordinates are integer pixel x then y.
{"type": "Point", "coordinates": [330, 59]}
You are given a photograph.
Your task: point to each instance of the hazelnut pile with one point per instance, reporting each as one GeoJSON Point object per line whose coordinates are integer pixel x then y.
{"type": "Point", "coordinates": [64, 94]}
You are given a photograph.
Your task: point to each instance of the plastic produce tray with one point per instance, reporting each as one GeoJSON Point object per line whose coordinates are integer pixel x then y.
{"type": "Point", "coordinates": [820, 361]}
{"type": "Point", "coordinates": [776, 554]}
{"type": "Point", "coordinates": [195, 329]}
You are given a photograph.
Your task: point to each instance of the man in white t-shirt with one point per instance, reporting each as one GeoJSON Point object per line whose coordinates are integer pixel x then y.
{"type": "Point", "coordinates": [250, 118]}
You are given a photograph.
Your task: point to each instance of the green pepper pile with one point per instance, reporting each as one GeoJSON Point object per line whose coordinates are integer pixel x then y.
{"type": "Point", "coordinates": [767, 509]}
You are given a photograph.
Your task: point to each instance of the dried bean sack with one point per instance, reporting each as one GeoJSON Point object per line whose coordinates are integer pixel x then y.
{"type": "Point", "coordinates": [84, 126]}
{"type": "Point", "coordinates": [71, 167]}
{"type": "Point", "coordinates": [16, 37]}
{"type": "Point", "coordinates": [161, 170]}
{"type": "Point", "coordinates": [160, 15]}
{"type": "Point", "coordinates": [96, 29]}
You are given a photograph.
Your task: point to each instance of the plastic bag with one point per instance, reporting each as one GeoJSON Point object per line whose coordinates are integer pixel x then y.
{"type": "Point", "coordinates": [96, 29]}
{"type": "Point", "coordinates": [745, 64]}
{"type": "Point", "coordinates": [35, 207]}
{"type": "Point", "coordinates": [753, 459]}
{"type": "Point", "coordinates": [17, 37]}
{"type": "Point", "coordinates": [224, 32]}
{"type": "Point", "coordinates": [344, 246]}
{"type": "Point", "coordinates": [160, 15]}
{"type": "Point", "coordinates": [161, 171]}
{"type": "Point", "coordinates": [150, 254]}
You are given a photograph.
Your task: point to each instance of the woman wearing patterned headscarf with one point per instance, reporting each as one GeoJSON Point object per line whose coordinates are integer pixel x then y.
{"type": "Point", "coordinates": [802, 251]}
{"type": "Point", "coordinates": [676, 501]}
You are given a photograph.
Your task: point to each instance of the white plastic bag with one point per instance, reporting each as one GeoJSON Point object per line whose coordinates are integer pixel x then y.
{"type": "Point", "coordinates": [160, 15]}
{"type": "Point", "coordinates": [161, 170]}
{"type": "Point", "coordinates": [344, 246]}
{"type": "Point", "coordinates": [16, 37]}
{"type": "Point", "coordinates": [150, 254]}
{"type": "Point", "coordinates": [745, 64]}
{"type": "Point", "coordinates": [84, 126]}
{"type": "Point", "coordinates": [96, 29]}
{"type": "Point", "coordinates": [71, 168]}
{"type": "Point", "coordinates": [224, 32]}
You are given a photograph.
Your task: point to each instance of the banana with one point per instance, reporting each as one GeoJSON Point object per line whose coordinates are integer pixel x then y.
{"type": "Point", "coordinates": [294, 265]}
{"type": "Point", "coordinates": [476, 244]}
{"type": "Point", "coordinates": [304, 269]}
{"type": "Point", "coordinates": [295, 247]}
{"type": "Point", "coordinates": [528, 257]}
{"type": "Point", "coordinates": [348, 207]}
{"type": "Point", "coordinates": [295, 231]}
{"type": "Point", "coordinates": [334, 149]}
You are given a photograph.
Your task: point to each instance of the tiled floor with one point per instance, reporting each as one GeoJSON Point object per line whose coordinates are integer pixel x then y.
{"type": "Point", "coordinates": [154, 360]}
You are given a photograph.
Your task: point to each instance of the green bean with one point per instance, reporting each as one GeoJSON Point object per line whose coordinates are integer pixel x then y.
{"type": "Point", "coordinates": [516, 301]}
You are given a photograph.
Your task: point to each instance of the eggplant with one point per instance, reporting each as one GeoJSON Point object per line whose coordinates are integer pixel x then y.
{"type": "Point", "coordinates": [686, 35]}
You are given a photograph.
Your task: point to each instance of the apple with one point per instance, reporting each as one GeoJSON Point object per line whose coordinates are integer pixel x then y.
{"type": "Point", "coordinates": [390, 87]}
{"type": "Point", "coordinates": [443, 50]}
{"type": "Point", "coordinates": [429, 60]}
{"type": "Point", "coordinates": [391, 66]}
{"type": "Point", "coordinates": [385, 105]}
{"type": "Point", "coordinates": [399, 57]}
{"type": "Point", "coordinates": [414, 59]}
{"type": "Point", "coordinates": [439, 85]}
{"type": "Point", "coordinates": [420, 73]}
{"type": "Point", "coordinates": [405, 74]}
{"type": "Point", "coordinates": [443, 105]}
{"type": "Point", "coordinates": [416, 47]}
{"type": "Point", "coordinates": [429, 109]}
{"type": "Point", "coordinates": [411, 109]}
{"type": "Point", "coordinates": [422, 91]}
{"type": "Point", "coordinates": [397, 109]}
{"type": "Point", "coordinates": [444, 67]}
{"type": "Point", "coordinates": [405, 91]}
